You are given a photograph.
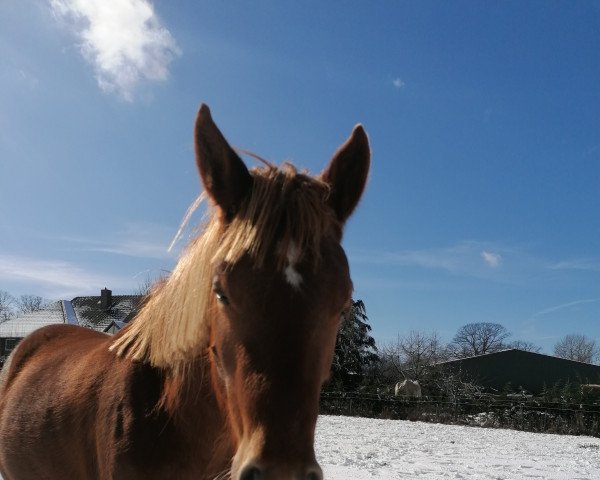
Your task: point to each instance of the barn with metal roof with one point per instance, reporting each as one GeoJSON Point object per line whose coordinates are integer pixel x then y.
{"type": "Point", "coordinates": [522, 370]}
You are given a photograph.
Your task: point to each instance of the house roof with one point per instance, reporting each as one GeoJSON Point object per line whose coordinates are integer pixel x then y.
{"type": "Point", "coordinates": [115, 323]}
{"type": "Point", "coordinates": [25, 324]}
{"type": "Point", "coordinates": [90, 314]}
{"type": "Point", "coordinates": [83, 311]}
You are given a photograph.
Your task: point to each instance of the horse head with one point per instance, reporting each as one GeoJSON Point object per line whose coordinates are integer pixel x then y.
{"type": "Point", "coordinates": [280, 284]}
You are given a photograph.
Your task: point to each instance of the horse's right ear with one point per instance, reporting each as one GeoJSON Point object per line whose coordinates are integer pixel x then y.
{"type": "Point", "coordinates": [224, 175]}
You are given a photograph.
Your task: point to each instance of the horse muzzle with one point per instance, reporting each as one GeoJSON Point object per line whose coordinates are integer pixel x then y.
{"type": "Point", "coordinates": [255, 470]}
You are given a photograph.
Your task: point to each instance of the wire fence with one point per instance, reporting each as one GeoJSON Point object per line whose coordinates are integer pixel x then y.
{"type": "Point", "coordinates": [525, 413]}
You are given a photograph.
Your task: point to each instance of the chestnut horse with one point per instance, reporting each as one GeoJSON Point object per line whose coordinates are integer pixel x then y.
{"type": "Point", "coordinates": [219, 375]}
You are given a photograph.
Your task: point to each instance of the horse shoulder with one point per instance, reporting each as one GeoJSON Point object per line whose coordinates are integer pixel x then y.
{"type": "Point", "coordinates": [142, 435]}
{"type": "Point", "coordinates": [36, 343]}
{"type": "Point", "coordinates": [50, 391]}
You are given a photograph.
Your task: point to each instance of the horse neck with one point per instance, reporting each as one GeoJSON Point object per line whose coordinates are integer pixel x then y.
{"type": "Point", "coordinates": [189, 389]}
{"type": "Point", "coordinates": [193, 407]}
{"type": "Point", "coordinates": [189, 395]}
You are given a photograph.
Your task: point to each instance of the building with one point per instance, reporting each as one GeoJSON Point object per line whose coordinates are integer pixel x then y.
{"type": "Point", "coordinates": [105, 313]}
{"type": "Point", "coordinates": [522, 370]}
{"type": "Point", "coordinates": [12, 331]}
{"type": "Point", "coordinates": [100, 313]}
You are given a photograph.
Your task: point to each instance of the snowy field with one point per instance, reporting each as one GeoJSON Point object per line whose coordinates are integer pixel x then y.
{"type": "Point", "coordinates": [362, 449]}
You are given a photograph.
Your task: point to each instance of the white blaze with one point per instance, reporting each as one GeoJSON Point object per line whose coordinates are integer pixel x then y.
{"type": "Point", "coordinates": [291, 274]}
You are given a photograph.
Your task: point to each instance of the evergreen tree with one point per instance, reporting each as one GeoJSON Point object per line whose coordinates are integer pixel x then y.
{"type": "Point", "coordinates": [355, 350]}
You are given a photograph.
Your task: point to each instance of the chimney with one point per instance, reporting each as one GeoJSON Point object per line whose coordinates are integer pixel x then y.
{"type": "Point", "coordinates": [105, 299]}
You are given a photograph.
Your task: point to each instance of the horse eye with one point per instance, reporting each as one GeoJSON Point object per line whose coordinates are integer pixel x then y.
{"type": "Point", "coordinates": [221, 298]}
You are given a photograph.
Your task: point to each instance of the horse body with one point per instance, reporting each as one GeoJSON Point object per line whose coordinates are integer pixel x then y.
{"type": "Point", "coordinates": [94, 415]}
{"type": "Point", "coordinates": [219, 374]}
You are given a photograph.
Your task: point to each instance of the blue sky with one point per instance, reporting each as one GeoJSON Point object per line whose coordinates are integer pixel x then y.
{"type": "Point", "coordinates": [484, 119]}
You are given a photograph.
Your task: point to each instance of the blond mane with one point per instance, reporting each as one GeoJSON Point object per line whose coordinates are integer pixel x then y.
{"type": "Point", "coordinates": [285, 209]}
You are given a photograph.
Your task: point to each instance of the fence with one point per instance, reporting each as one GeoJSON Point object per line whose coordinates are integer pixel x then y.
{"type": "Point", "coordinates": [520, 413]}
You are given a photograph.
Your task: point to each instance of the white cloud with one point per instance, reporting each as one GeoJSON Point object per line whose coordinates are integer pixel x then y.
{"type": "Point", "coordinates": [55, 279]}
{"type": "Point", "coordinates": [493, 260]}
{"type": "Point", "coordinates": [123, 40]}
{"type": "Point", "coordinates": [398, 83]}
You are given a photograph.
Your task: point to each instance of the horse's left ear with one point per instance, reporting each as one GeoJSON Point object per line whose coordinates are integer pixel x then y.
{"type": "Point", "coordinates": [224, 175]}
{"type": "Point", "coordinates": [347, 173]}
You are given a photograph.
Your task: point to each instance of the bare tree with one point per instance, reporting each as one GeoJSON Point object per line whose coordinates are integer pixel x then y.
{"type": "Point", "coordinates": [478, 338]}
{"type": "Point", "coordinates": [7, 302]}
{"type": "Point", "coordinates": [151, 282]}
{"type": "Point", "coordinates": [145, 287]}
{"type": "Point", "coordinates": [412, 354]}
{"type": "Point", "coordinates": [30, 303]}
{"type": "Point", "coordinates": [577, 347]}
{"type": "Point", "coordinates": [525, 346]}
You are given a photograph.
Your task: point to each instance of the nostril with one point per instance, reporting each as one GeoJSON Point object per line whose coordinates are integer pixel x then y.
{"type": "Point", "coordinates": [314, 475]}
{"type": "Point", "coordinates": [251, 472]}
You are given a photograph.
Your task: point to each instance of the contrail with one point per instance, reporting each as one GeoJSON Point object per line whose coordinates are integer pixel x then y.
{"type": "Point", "coordinates": [564, 305]}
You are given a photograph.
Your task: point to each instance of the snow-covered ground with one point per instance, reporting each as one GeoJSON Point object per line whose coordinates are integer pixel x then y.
{"type": "Point", "coordinates": [361, 449]}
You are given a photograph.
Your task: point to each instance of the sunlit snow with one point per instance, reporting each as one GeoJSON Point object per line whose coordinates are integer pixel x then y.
{"type": "Point", "coordinates": [362, 449]}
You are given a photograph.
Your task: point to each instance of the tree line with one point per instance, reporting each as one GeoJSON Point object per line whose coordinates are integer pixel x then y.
{"type": "Point", "coordinates": [360, 363]}
{"type": "Point", "coordinates": [11, 306]}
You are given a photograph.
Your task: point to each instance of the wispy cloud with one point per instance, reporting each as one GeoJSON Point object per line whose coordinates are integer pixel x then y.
{"type": "Point", "coordinates": [61, 277]}
{"type": "Point", "coordinates": [123, 40]}
{"type": "Point", "coordinates": [492, 260]}
{"type": "Point", "coordinates": [463, 258]}
{"type": "Point", "coordinates": [398, 83]}
{"type": "Point", "coordinates": [55, 278]}
{"type": "Point", "coordinates": [488, 261]}
{"type": "Point", "coordinates": [19, 77]}
{"type": "Point", "coordinates": [593, 150]}
{"type": "Point", "coordinates": [131, 248]}
{"type": "Point", "coordinates": [137, 239]}
{"type": "Point", "coordinates": [441, 259]}
{"type": "Point", "coordinates": [589, 264]}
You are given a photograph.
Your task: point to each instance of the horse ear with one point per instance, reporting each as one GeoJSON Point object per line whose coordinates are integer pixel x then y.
{"type": "Point", "coordinates": [224, 175]}
{"type": "Point", "coordinates": [347, 173]}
